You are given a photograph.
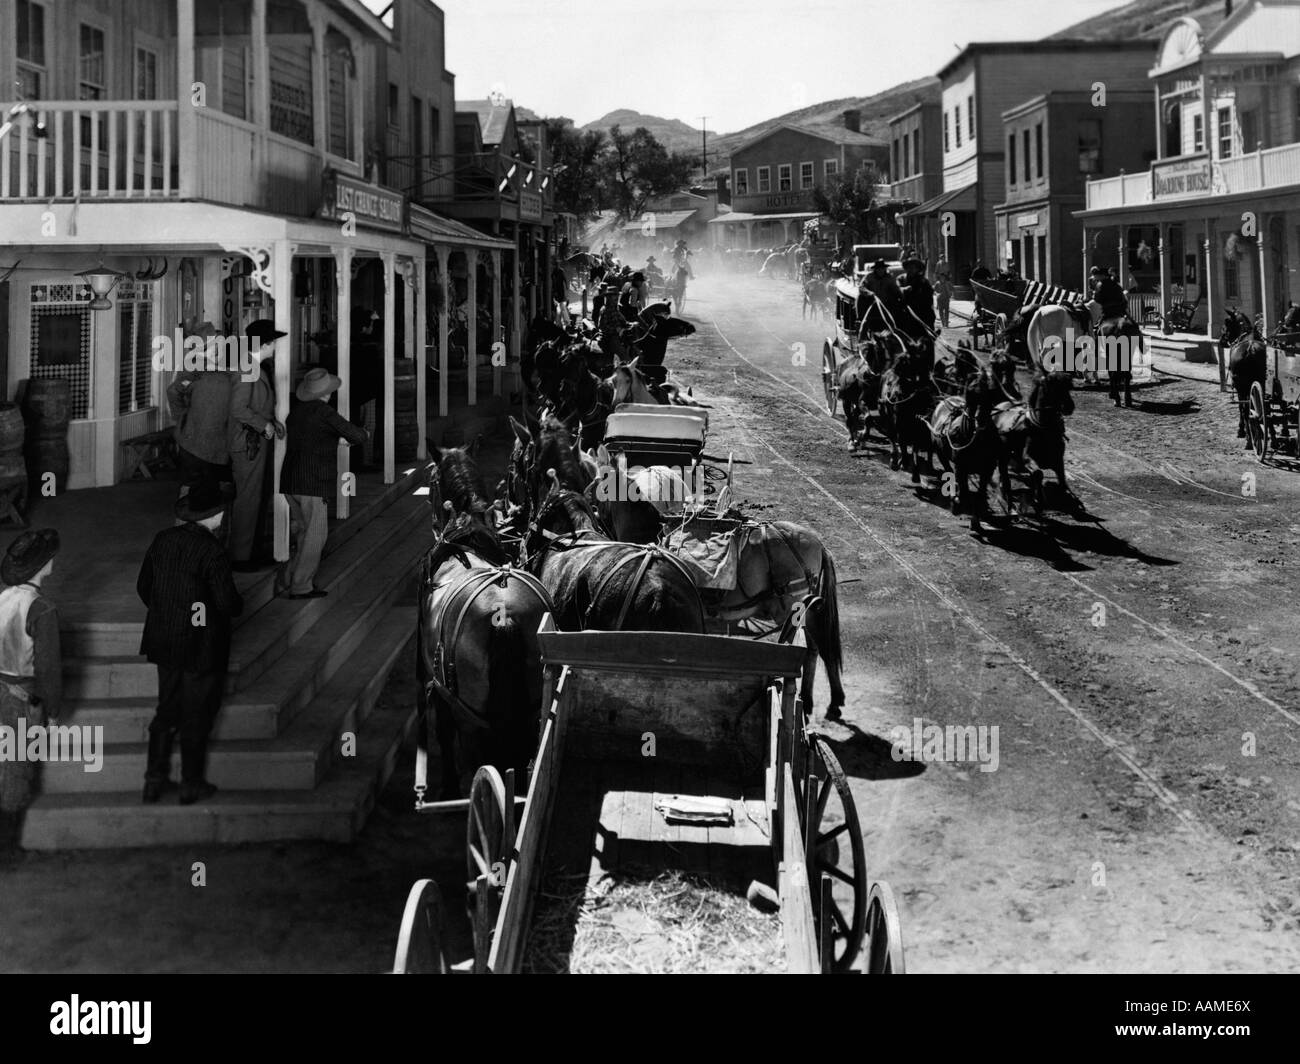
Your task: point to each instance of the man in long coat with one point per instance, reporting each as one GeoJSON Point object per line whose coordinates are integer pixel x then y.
{"type": "Point", "coordinates": [187, 586]}
{"type": "Point", "coordinates": [252, 428]}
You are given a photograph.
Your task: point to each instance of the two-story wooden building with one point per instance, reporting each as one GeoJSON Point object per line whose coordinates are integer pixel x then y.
{"type": "Point", "coordinates": [1215, 219]}
{"type": "Point", "coordinates": [220, 160]}
{"type": "Point", "coordinates": [773, 177]}
{"type": "Point", "coordinates": [978, 85]}
{"type": "Point", "coordinates": [1055, 143]}
{"type": "Point", "coordinates": [916, 166]}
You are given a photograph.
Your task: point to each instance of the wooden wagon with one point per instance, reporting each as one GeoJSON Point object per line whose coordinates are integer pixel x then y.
{"type": "Point", "coordinates": [634, 728]}
{"type": "Point", "coordinates": [1273, 408]}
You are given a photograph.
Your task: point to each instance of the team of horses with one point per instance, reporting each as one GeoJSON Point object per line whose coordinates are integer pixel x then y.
{"type": "Point", "coordinates": [969, 415]}
{"type": "Point", "coordinates": [549, 540]}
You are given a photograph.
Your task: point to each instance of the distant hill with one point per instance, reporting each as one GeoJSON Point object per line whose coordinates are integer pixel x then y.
{"type": "Point", "coordinates": [1144, 19]}
{"type": "Point", "coordinates": [673, 134]}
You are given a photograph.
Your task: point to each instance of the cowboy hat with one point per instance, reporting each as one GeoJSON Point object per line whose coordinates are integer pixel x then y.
{"type": "Point", "coordinates": [880, 264]}
{"type": "Point", "coordinates": [28, 554]}
{"type": "Point", "coordinates": [202, 501]}
{"type": "Point", "coordinates": [264, 330]}
{"type": "Point", "coordinates": [318, 384]}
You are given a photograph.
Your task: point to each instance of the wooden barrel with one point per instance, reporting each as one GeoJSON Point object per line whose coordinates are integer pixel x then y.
{"type": "Point", "coordinates": [46, 406]}
{"type": "Point", "coordinates": [48, 454]}
{"type": "Point", "coordinates": [13, 430]}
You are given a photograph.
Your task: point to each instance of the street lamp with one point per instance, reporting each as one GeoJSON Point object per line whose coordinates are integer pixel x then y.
{"type": "Point", "coordinates": [101, 280]}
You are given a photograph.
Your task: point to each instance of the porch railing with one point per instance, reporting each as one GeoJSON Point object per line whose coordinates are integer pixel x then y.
{"type": "Point", "coordinates": [1258, 171]}
{"type": "Point", "coordinates": [91, 148]}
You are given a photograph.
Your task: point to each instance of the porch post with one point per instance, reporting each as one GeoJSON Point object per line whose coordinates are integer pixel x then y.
{"type": "Point", "coordinates": [318, 101]}
{"type": "Point", "coordinates": [1164, 271]}
{"type": "Point", "coordinates": [1263, 278]}
{"type": "Point", "coordinates": [444, 356]}
{"type": "Point", "coordinates": [410, 342]}
{"type": "Point", "coordinates": [421, 354]}
{"type": "Point", "coordinates": [261, 99]}
{"type": "Point", "coordinates": [471, 321]}
{"type": "Point", "coordinates": [1209, 283]}
{"type": "Point", "coordinates": [1122, 249]}
{"type": "Point", "coordinates": [1084, 289]}
{"type": "Point", "coordinates": [343, 318]}
{"type": "Point", "coordinates": [516, 346]}
{"type": "Point", "coordinates": [282, 294]}
{"type": "Point", "coordinates": [187, 119]}
{"type": "Point", "coordinates": [496, 295]}
{"type": "Point", "coordinates": [389, 261]}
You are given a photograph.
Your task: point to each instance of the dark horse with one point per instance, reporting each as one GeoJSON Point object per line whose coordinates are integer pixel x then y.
{"type": "Point", "coordinates": [1036, 432]}
{"type": "Point", "coordinates": [477, 665]}
{"type": "Point", "coordinates": [599, 584]}
{"type": "Point", "coordinates": [967, 442]}
{"type": "Point", "coordinates": [1247, 365]}
{"type": "Point", "coordinates": [677, 287]}
{"type": "Point", "coordinates": [907, 397]}
{"type": "Point", "coordinates": [859, 378]}
{"type": "Point", "coordinates": [455, 477]}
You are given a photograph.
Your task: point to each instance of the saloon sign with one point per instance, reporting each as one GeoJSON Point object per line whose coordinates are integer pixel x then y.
{"type": "Point", "coordinates": [1192, 177]}
{"type": "Point", "coordinates": [369, 205]}
{"type": "Point", "coordinates": [530, 206]}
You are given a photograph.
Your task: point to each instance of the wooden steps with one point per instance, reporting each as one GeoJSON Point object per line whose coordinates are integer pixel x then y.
{"type": "Point", "coordinates": [305, 674]}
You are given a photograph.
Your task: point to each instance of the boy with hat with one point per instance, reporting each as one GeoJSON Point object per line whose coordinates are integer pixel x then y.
{"type": "Point", "coordinates": [187, 587]}
{"type": "Point", "coordinates": [252, 427]}
{"type": "Point", "coordinates": [31, 669]}
{"type": "Point", "coordinates": [309, 477]}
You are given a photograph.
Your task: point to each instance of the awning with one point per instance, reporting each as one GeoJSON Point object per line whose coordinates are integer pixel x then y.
{"type": "Point", "coordinates": [740, 216]}
{"type": "Point", "coordinates": [961, 199]}
{"type": "Point", "coordinates": [661, 219]}
{"type": "Point", "coordinates": [434, 228]}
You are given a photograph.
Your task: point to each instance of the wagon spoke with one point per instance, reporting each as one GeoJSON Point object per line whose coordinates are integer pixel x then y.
{"type": "Point", "coordinates": [834, 870]}
{"type": "Point", "coordinates": [841, 924]}
{"type": "Point", "coordinates": [829, 836]}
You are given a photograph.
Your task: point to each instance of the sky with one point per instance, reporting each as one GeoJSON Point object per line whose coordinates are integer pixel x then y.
{"type": "Point", "coordinates": [736, 61]}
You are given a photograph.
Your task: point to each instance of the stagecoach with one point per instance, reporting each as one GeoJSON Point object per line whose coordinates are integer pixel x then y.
{"type": "Point", "coordinates": [844, 344]}
{"type": "Point", "coordinates": [739, 790]}
{"type": "Point", "coordinates": [1273, 407]}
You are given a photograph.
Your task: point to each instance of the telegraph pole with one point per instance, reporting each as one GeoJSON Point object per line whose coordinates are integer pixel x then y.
{"type": "Point", "coordinates": [704, 137]}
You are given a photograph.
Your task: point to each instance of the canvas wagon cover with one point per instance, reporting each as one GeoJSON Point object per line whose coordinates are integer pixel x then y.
{"type": "Point", "coordinates": [709, 547]}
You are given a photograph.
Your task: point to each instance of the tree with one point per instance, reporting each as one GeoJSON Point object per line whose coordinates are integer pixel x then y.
{"type": "Point", "coordinates": [580, 153]}
{"type": "Point", "coordinates": [850, 201]}
{"type": "Point", "coordinates": [637, 168]}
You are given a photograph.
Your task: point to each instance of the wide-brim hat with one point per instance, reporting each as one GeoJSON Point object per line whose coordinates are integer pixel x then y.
{"type": "Point", "coordinates": [28, 554]}
{"type": "Point", "coordinates": [317, 385]}
{"type": "Point", "coordinates": [264, 330]}
{"type": "Point", "coordinates": [201, 502]}
{"type": "Point", "coordinates": [880, 264]}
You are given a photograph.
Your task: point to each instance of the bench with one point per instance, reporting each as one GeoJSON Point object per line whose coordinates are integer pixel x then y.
{"type": "Point", "coordinates": [149, 453]}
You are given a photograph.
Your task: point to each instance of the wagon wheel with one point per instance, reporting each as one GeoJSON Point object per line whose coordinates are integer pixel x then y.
{"type": "Point", "coordinates": [999, 330]}
{"type": "Point", "coordinates": [829, 380]}
{"type": "Point", "coordinates": [486, 845]}
{"type": "Point", "coordinates": [835, 815]}
{"type": "Point", "coordinates": [419, 942]}
{"type": "Point", "coordinates": [1257, 422]}
{"type": "Point", "coordinates": [884, 933]}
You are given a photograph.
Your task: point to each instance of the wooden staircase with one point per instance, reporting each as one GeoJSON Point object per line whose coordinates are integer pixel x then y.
{"type": "Point", "coordinates": [299, 749]}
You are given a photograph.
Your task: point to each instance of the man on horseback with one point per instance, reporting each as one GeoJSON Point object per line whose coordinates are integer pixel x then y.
{"type": "Point", "coordinates": [1115, 322]}
{"type": "Point", "coordinates": [682, 259]}
{"type": "Point", "coordinates": [631, 298]}
{"type": "Point", "coordinates": [653, 274]}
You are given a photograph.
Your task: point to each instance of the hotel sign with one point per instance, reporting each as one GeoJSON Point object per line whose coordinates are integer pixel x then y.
{"type": "Point", "coordinates": [369, 205]}
{"type": "Point", "coordinates": [1027, 221]}
{"type": "Point", "coordinates": [530, 206]}
{"type": "Point", "coordinates": [1186, 177]}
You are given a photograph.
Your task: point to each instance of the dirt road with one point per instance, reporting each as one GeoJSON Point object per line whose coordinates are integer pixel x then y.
{"type": "Point", "coordinates": [1140, 667]}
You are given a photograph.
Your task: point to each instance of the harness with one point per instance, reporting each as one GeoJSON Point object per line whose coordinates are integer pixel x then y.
{"type": "Point", "coordinates": [774, 590]}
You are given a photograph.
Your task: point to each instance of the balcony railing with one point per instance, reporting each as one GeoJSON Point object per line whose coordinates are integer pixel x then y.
{"type": "Point", "coordinates": [92, 149]}
{"type": "Point", "coordinates": [132, 149]}
{"type": "Point", "coordinates": [1259, 171]}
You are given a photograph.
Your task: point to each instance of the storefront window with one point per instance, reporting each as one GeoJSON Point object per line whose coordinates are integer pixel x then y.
{"type": "Point", "coordinates": [60, 330]}
{"type": "Point", "coordinates": [134, 353]}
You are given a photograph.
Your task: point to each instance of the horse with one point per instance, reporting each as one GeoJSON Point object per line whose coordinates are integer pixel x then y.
{"type": "Point", "coordinates": [478, 663]}
{"type": "Point", "coordinates": [1035, 432]}
{"type": "Point", "coordinates": [967, 442]}
{"type": "Point", "coordinates": [649, 341]}
{"type": "Point", "coordinates": [550, 449]}
{"type": "Point", "coordinates": [906, 400]}
{"type": "Point", "coordinates": [631, 385]}
{"type": "Point", "coordinates": [817, 296]}
{"type": "Point", "coordinates": [454, 476]}
{"type": "Point", "coordinates": [596, 583]}
{"type": "Point", "coordinates": [1116, 339]}
{"type": "Point", "coordinates": [859, 378]}
{"type": "Point", "coordinates": [1247, 364]}
{"type": "Point", "coordinates": [676, 288]}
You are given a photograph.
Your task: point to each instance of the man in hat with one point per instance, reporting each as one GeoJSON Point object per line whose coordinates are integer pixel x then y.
{"type": "Point", "coordinates": [682, 257]}
{"type": "Point", "coordinates": [186, 584]}
{"type": "Point", "coordinates": [1107, 292]}
{"type": "Point", "coordinates": [252, 427]}
{"type": "Point", "coordinates": [200, 404]}
{"type": "Point", "coordinates": [631, 299]}
{"type": "Point", "coordinates": [309, 477]}
{"type": "Point", "coordinates": [918, 307]}
{"type": "Point", "coordinates": [31, 669]}
{"type": "Point", "coordinates": [883, 312]}
{"type": "Point", "coordinates": [943, 288]}
{"type": "Point", "coordinates": [653, 274]}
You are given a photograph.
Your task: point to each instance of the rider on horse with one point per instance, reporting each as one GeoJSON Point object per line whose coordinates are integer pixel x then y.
{"type": "Point", "coordinates": [682, 258]}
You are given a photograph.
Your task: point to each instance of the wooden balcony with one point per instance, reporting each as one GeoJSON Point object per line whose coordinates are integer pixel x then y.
{"type": "Point", "coordinates": [1266, 170]}
{"type": "Point", "coordinates": [134, 149]}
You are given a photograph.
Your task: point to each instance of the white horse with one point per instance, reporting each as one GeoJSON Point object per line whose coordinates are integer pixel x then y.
{"type": "Point", "coordinates": [1053, 332]}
